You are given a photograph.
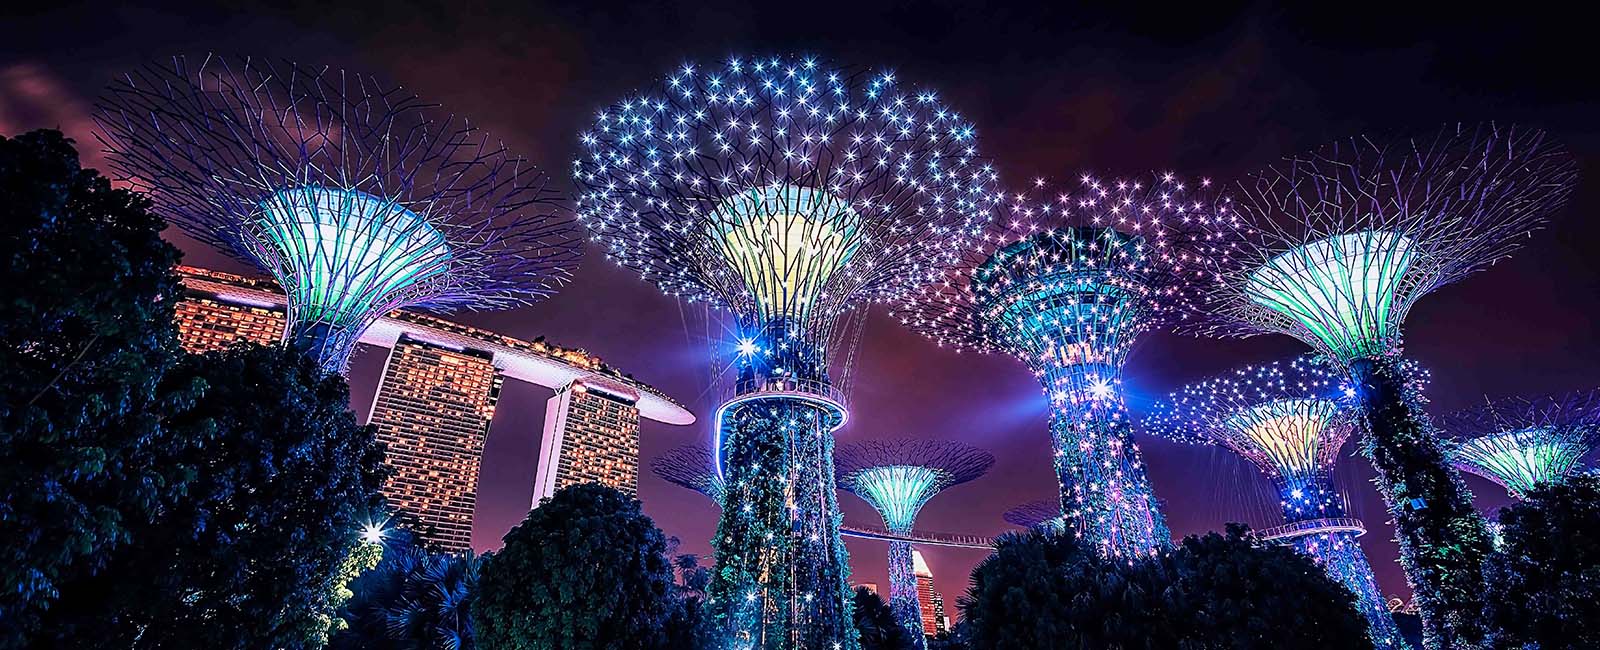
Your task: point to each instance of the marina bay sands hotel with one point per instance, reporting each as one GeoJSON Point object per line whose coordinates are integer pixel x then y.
{"type": "Point", "coordinates": [437, 397]}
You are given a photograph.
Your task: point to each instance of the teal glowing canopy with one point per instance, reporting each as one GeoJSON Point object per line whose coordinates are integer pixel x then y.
{"type": "Point", "coordinates": [898, 492]}
{"type": "Point", "coordinates": [1519, 460]}
{"type": "Point", "coordinates": [1342, 289]}
{"type": "Point", "coordinates": [786, 242]}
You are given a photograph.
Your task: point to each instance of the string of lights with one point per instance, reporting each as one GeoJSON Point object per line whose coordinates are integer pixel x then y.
{"type": "Point", "coordinates": [1334, 248]}
{"type": "Point", "coordinates": [1067, 283]}
{"type": "Point", "coordinates": [357, 198]}
{"type": "Point", "coordinates": [785, 191]}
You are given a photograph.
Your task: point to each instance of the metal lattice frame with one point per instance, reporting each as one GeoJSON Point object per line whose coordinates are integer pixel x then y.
{"type": "Point", "coordinates": [1521, 442]}
{"type": "Point", "coordinates": [1337, 245]}
{"type": "Point", "coordinates": [690, 466]}
{"type": "Point", "coordinates": [1068, 282]}
{"type": "Point", "coordinates": [1289, 420]}
{"type": "Point", "coordinates": [1035, 513]}
{"type": "Point", "coordinates": [898, 477]}
{"type": "Point", "coordinates": [356, 197]}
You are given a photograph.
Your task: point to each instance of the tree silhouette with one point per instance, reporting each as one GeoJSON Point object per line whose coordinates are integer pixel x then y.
{"type": "Point", "coordinates": [877, 624]}
{"type": "Point", "coordinates": [412, 599]}
{"type": "Point", "coordinates": [1543, 582]}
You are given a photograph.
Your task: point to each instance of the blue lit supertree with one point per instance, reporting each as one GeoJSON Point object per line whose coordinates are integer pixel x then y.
{"type": "Point", "coordinates": [1334, 248]}
{"type": "Point", "coordinates": [1289, 420]}
{"type": "Point", "coordinates": [1521, 442]}
{"type": "Point", "coordinates": [691, 466]}
{"type": "Point", "coordinates": [898, 477]}
{"type": "Point", "coordinates": [357, 198]}
{"type": "Point", "coordinates": [786, 192]}
{"type": "Point", "coordinates": [1068, 283]}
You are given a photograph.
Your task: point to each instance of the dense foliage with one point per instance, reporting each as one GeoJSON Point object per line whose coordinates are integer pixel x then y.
{"type": "Point", "coordinates": [1443, 540]}
{"type": "Point", "coordinates": [86, 334]}
{"type": "Point", "coordinates": [1543, 583]}
{"type": "Point", "coordinates": [250, 555]}
{"type": "Point", "coordinates": [1041, 590]}
{"type": "Point", "coordinates": [879, 628]}
{"type": "Point", "coordinates": [413, 599]}
{"type": "Point", "coordinates": [587, 570]}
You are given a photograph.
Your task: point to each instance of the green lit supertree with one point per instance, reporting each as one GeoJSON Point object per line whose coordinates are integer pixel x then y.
{"type": "Point", "coordinates": [1334, 248]}
{"type": "Point", "coordinates": [1068, 283]}
{"type": "Point", "coordinates": [898, 477]}
{"type": "Point", "coordinates": [1289, 420]}
{"type": "Point", "coordinates": [1521, 442]}
{"type": "Point", "coordinates": [356, 197]}
{"type": "Point", "coordinates": [786, 192]}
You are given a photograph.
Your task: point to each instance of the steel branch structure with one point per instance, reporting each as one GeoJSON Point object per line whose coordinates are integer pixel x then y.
{"type": "Point", "coordinates": [1334, 247]}
{"type": "Point", "coordinates": [1068, 283]}
{"type": "Point", "coordinates": [1043, 513]}
{"type": "Point", "coordinates": [898, 477]}
{"type": "Point", "coordinates": [785, 191]}
{"type": "Point", "coordinates": [1289, 420]}
{"type": "Point", "coordinates": [356, 197]}
{"type": "Point", "coordinates": [1521, 442]}
{"type": "Point", "coordinates": [691, 466]}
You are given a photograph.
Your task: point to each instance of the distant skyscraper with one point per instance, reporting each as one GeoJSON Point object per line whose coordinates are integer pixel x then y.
{"type": "Point", "coordinates": [207, 322]}
{"type": "Point", "coordinates": [591, 435]}
{"type": "Point", "coordinates": [432, 411]}
{"type": "Point", "coordinates": [933, 620]}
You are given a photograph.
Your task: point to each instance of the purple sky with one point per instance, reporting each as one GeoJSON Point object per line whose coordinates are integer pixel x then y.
{"type": "Point", "coordinates": [1054, 92]}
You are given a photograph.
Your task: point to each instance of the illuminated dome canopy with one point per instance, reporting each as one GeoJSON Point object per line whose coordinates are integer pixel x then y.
{"type": "Point", "coordinates": [1521, 442]}
{"type": "Point", "coordinates": [353, 252]}
{"type": "Point", "coordinates": [691, 466]}
{"type": "Point", "coordinates": [1342, 289]}
{"type": "Point", "coordinates": [786, 242]}
{"type": "Point", "coordinates": [898, 477]}
{"type": "Point", "coordinates": [356, 197]}
{"type": "Point", "coordinates": [1288, 419]}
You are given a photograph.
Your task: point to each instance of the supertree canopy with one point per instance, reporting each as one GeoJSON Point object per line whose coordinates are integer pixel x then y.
{"type": "Point", "coordinates": [357, 198]}
{"type": "Point", "coordinates": [1334, 248]}
{"type": "Point", "coordinates": [1521, 442]}
{"type": "Point", "coordinates": [1289, 420]}
{"type": "Point", "coordinates": [690, 466]}
{"type": "Point", "coordinates": [1068, 284]}
{"type": "Point", "coordinates": [785, 191]}
{"type": "Point", "coordinates": [1043, 513]}
{"type": "Point", "coordinates": [898, 477]}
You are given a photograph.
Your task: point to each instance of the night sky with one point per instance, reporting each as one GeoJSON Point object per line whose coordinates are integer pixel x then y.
{"type": "Point", "coordinates": [1056, 92]}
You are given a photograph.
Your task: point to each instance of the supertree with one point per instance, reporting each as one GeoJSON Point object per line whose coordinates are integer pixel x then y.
{"type": "Point", "coordinates": [356, 197]}
{"type": "Point", "coordinates": [898, 477]}
{"type": "Point", "coordinates": [1334, 248]}
{"type": "Point", "coordinates": [693, 467]}
{"type": "Point", "coordinates": [1521, 442]}
{"type": "Point", "coordinates": [1289, 420]}
{"type": "Point", "coordinates": [1068, 284]}
{"type": "Point", "coordinates": [1041, 513]}
{"type": "Point", "coordinates": [786, 192]}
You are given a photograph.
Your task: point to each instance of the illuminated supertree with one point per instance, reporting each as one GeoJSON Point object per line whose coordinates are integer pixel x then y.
{"type": "Point", "coordinates": [1520, 442]}
{"type": "Point", "coordinates": [691, 466]}
{"type": "Point", "coordinates": [1289, 420]}
{"type": "Point", "coordinates": [1068, 284]}
{"type": "Point", "coordinates": [1338, 245]}
{"type": "Point", "coordinates": [786, 192]}
{"type": "Point", "coordinates": [898, 477]}
{"type": "Point", "coordinates": [1044, 514]}
{"type": "Point", "coordinates": [357, 198]}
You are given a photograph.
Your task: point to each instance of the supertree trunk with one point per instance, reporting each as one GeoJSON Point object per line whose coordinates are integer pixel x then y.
{"type": "Point", "coordinates": [903, 600]}
{"type": "Point", "coordinates": [1338, 553]}
{"type": "Point", "coordinates": [781, 571]}
{"type": "Point", "coordinates": [1443, 540]}
{"type": "Point", "coordinates": [1105, 495]}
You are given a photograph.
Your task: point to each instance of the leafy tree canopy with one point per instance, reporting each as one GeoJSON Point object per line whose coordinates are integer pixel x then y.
{"type": "Point", "coordinates": [413, 599]}
{"type": "Point", "coordinates": [587, 570]}
{"type": "Point", "coordinates": [1543, 583]}
{"type": "Point", "coordinates": [875, 621]}
{"type": "Point", "coordinates": [86, 333]}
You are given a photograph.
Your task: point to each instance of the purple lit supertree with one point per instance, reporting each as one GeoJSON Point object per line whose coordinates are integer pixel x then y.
{"type": "Point", "coordinates": [1334, 248]}
{"type": "Point", "coordinates": [1043, 513]}
{"type": "Point", "coordinates": [1289, 420]}
{"type": "Point", "coordinates": [357, 198]}
{"type": "Point", "coordinates": [786, 192]}
{"type": "Point", "coordinates": [1068, 284]}
{"type": "Point", "coordinates": [693, 467]}
{"type": "Point", "coordinates": [1521, 442]}
{"type": "Point", "coordinates": [898, 477]}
